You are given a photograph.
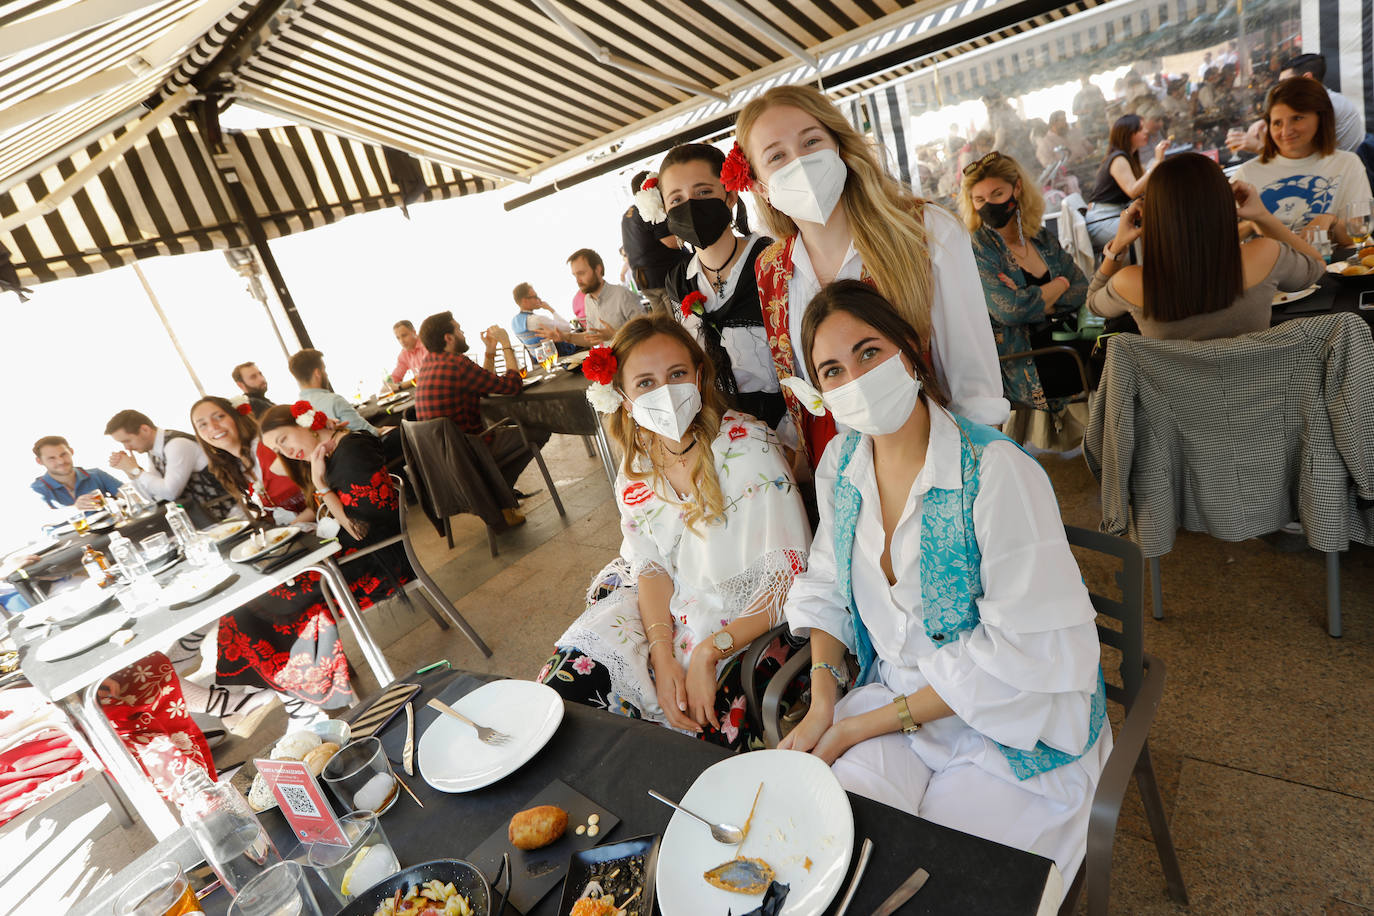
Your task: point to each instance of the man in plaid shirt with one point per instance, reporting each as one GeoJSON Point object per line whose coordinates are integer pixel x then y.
{"type": "Point", "coordinates": [452, 385]}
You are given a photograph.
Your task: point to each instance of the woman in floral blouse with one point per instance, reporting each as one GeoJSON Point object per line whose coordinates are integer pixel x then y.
{"type": "Point", "coordinates": [714, 532]}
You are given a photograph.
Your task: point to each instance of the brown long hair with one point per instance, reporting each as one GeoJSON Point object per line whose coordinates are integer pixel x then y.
{"type": "Point", "coordinates": [1305, 95]}
{"type": "Point", "coordinates": [1120, 138]}
{"type": "Point", "coordinates": [1191, 247]}
{"type": "Point", "coordinates": [299, 471]}
{"type": "Point", "coordinates": [865, 303]}
{"type": "Point", "coordinates": [888, 234]}
{"type": "Point", "coordinates": [709, 504]}
{"type": "Point", "coordinates": [227, 466]}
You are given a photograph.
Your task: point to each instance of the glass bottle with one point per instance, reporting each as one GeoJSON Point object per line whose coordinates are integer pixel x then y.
{"type": "Point", "coordinates": [180, 524]}
{"type": "Point", "coordinates": [127, 558]}
{"type": "Point", "coordinates": [96, 565]}
{"type": "Point", "coordinates": [225, 828]}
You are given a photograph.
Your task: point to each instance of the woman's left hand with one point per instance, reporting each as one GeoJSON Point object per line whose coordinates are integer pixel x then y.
{"type": "Point", "coordinates": [1248, 203]}
{"type": "Point", "coordinates": [1129, 228]}
{"type": "Point", "coordinates": [319, 466]}
{"type": "Point", "coordinates": [357, 530]}
{"type": "Point", "coordinates": [837, 739]}
{"type": "Point", "coordinates": [1006, 281]}
{"type": "Point", "coordinates": [701, 686]}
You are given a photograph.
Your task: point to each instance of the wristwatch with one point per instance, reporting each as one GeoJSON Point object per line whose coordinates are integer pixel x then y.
{"type": "Point", "coordinates": [724, 642]}
{"type": "Point", "coordinates": [1118, 257]}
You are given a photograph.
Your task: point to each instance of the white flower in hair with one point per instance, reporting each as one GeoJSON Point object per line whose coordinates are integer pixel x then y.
{"type": "Point", "coordinates": [649, 201]}
{"type": "Point", "coordinates": [803, 391]}
{"type": "Point", "coordinates": [604, 397]}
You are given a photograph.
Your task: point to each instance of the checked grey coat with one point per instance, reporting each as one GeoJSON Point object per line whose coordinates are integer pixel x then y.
{"type": "Point", "coordinates": [1237, 437]}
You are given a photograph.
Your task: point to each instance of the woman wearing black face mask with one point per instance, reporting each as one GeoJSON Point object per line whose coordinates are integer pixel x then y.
{"type": "Point", "coordinates": [714, 294]}
{"type": "Point", "coordinates": [1027, 277]}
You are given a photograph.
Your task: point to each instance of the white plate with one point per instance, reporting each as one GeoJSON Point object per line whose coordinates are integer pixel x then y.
{"type": "Point", "coordinates": [190, 584]}
{"type": "Point", "coordinates": [225, 530]}
{"type": "Point", "coordinates": [82, 637]}
{"type": "Point", "coordinates": [802, 813]}
{"type": "Point", "coordinates": [1282, 298]}
{"type": "Point", "coordinates": [276, 537]}
{"type": "Point", "coordinates": [453, 760]}
{"type": "Point", "coordinates": [68, 606]}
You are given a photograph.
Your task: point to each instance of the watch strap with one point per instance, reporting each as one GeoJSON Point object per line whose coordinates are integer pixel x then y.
{"type": "Point", "coordinates": [907, 723]}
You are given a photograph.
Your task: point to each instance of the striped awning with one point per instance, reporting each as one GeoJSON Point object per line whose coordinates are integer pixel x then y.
{"type": "Point", "coordinates": [167, 196]}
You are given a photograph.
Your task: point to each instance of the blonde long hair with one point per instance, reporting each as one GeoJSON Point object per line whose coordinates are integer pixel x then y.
{"type": "Point", "coordinates": [708, 504]}
{"type": "Point", "coordinates": [888, 234]}
{"type": "Point", "coordinates": [1030, 203]}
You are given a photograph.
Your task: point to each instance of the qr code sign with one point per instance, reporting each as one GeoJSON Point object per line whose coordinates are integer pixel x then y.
{"type": "Point", "coordinates": [298, 800]}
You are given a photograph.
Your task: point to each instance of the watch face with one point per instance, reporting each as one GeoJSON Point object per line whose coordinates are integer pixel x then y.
{"type": "Point", "coordinates": [723, 641]}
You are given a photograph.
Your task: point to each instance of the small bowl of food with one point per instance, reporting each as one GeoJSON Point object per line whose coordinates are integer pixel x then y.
{"type": "Point", "coordinates": [449, 886]}
{"type": "Point", "coordinates": [1355, 272]}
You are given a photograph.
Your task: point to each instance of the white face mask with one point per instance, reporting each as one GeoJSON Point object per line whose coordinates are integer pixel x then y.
{"type": "Point", "coordinates": [878, 402]}
{"type": "Point", "coordinates": [668, 410]}
{"type": "Point", "coordinates": [808, 188]}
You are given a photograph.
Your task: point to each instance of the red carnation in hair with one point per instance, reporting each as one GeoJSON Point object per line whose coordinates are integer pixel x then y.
{"type": "Point", "coordinates": [319, 421]}
{"type": "Point", "coordinates": [300, 408]}
{"type": "Point", "coordinates": [600, 365]}
{"type": "Point", "coordinates": [244, 409]}
{"type": "Point", "coordinates": [649, 184]}
{"type": "Point", "coordinates": [736, 174]}
{"type": "Point", "coordinates": [693, 303]}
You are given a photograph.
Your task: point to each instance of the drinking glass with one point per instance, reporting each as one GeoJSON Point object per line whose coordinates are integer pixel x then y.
{"type": "Point", "coordinates": [154, 546]}
{"type": "Point", "coordinates": [547, 354]}
{"type": "Point", "coordinates": [367, 859]}
{"type": "Point", "coordinates": [78, 521]}
{"type": "Point", "coordinates": [202, 551]}
{"type": "Point", "coordinates": [160, 891]}
{"type": "Point", "coordinates": [360, 777]}
{"type": "Point", "coordinates": [280, 890]}
{"type": "Point", "coordinates": [1357, 220]}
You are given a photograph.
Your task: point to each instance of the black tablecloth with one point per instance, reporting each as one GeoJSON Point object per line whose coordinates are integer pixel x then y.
{"type": "Point", "coordinates": [557, 404]}
{"type": "Point", "coordinates": [391, 414]}
{"type": "Point", "coordinates": [613, 761]}
{"type": "Point", "coordinates": [1332, 295]}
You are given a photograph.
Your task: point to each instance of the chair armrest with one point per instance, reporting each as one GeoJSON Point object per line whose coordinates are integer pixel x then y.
{"type": "Point", "coordinates": [1047, 351]}
{"type": "Point", "coordinates": [772, 694]}
{"type": "Point", "coordinates": [748, 668]}
{"type": "Point", "coordinates": [1126, 750]}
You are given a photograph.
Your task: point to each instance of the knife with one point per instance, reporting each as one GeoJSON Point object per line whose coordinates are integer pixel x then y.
{"type": "Point", "coordinates": [903, 893]}
{"type": "Point", "coordinates": [408, 751]}
{"type": "Point", "coordinates": [864, 852]}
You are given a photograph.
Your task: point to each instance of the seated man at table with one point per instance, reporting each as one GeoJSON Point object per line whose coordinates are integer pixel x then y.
{"type": "Point", "coordinates": [65, 484]}
{"type": "Point", "coordinates": [308, 368]}
{"type": "Point", "coordinates": [253, 384]}
{"type": "Point", "coordinates": [452, 385]}
{"type": "Point", "coordinates": [533, 329]}
{"type": "Point", "coordinates": [608, 306]}
{"type": "Point", "coordinates": [412, 355]}
{"type": "Point", "coordinates": [180, 470]}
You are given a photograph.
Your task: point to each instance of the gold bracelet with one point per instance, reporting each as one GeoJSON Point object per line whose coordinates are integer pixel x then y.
{"type": "Point", "coordinates": [650, 628]}
{"type": "Point", "coordinates": [654, 642]}
{"type": "Point", "coordinates": [907, 723]}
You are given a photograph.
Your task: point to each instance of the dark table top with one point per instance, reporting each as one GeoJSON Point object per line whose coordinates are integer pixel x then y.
{"type": "Point", "coordinates": [388, 415]}
{"type": "Point", "coordinates": [557, 403]}
{"type": "Point", "coordinates": [65, 559]}
{"type": "Point", "coordinates": [1332, 295]}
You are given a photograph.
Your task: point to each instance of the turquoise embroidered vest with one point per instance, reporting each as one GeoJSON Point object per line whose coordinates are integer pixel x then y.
{"type": "Point", "coordinates": [951, 579]}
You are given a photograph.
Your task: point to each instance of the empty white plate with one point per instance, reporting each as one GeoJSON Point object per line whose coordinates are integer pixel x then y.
{"type": "Point", "coordinates": [69, 605]}
{"type": "Point", "coordinates": [803, 818]}
{"type": "Point", "coordinates": [453, 760]}
{"type": "Point", "coordinates": [81, 637]}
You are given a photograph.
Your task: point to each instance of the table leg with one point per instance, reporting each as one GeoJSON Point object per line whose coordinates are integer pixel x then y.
{"type": "Point", "coordinates": [337, 584]}
{"type": "Point", "coordinates": [128, 775]}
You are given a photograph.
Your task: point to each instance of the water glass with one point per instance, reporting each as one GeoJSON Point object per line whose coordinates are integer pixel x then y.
{"type": "Point", "coordinates": [367, 859]}
{"type": "Point", "coordinates": [155, 546]}
{"type": "Point", "coordinates": [360, 777]}
{"type": "Point", "coordinates": [1357, 220]}
{"type": "Point", "coordinates": [280, 890]}
{"type": "Point", "coordinates": [160, 891]}
{"type": "Point", "coordinates": [202, 551]}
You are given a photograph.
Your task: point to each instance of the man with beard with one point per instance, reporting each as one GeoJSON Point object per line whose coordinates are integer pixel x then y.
{"type": "Point", "coordinates": [307, 367]}
{"type": "Point", "coordinates": [251, 382]}
{"type": "Point", "coordinates": [608, 306]}
{"type": "Point", "coordinates": [64, 484]}
{"type": "Point", "coordinates": [452, 385]}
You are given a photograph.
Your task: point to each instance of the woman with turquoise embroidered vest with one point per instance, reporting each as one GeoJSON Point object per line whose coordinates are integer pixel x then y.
{"type": "Point", "coordinates": [941, 563]}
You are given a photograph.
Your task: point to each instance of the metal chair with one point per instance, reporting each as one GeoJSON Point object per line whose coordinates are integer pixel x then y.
{"type": "Point", "coordinates": [1062, 349]}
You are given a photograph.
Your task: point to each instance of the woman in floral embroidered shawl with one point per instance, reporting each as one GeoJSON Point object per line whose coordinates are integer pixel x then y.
{"type": "Point", "coordinates": [941, 562]}
{"type": "Point", "coordinates": [714, 532]}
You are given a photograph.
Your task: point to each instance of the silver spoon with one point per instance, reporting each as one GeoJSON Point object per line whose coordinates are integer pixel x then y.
{"type": "Point", "coordinates": [728, 834]}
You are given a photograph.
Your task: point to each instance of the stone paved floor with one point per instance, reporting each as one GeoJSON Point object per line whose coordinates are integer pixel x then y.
{"type": "Point", "coordinates": [1263, 742]}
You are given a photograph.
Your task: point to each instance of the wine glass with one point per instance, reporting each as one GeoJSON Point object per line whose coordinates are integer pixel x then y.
{"type": "Point", "coordinates": [1357, 221]}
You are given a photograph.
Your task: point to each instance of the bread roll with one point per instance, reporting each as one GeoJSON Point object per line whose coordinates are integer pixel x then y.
{"type": "Point", "coordinates": [296, 745]}
{"type": "Point", "coordinates": [316, 759]}
{"type": "Point", "coordinates": [537, 827]}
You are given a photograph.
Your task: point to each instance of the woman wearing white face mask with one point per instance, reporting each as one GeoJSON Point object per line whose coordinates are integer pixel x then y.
{"type": "Point", "coordinates": [713, 531]}
{"type": "Point", "coordinates": [823, 192]}
{"type": "Point", "coordinates": [941, 563]}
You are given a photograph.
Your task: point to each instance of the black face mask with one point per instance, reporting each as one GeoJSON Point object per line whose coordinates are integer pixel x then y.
{"type": "Point", "coordinates": [998, 215]}
{"type": "Point", "coordinates": [700, 221]}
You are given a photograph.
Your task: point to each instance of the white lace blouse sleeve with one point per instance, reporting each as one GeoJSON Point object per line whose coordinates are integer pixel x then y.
{"type": "Point", "coordinates": [962, 345]}
{"type": "Point", "coordinates": [637, 546]}
{"type": "Point", "coordinates": [815, 599]}
{"type": "Point", "coordinates": [1028, 671]}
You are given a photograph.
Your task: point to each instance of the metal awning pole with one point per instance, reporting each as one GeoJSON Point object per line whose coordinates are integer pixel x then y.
{"type": "Point", "coordinates": [167, 326]}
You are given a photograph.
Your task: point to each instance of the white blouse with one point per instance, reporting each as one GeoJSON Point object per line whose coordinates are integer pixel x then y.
{"type": "Point", "coordinates": [961, 345]}
{"type": "Point", "coordinates": [1028, 670]}
{"type": "Point", "coordinates": [748, 347]}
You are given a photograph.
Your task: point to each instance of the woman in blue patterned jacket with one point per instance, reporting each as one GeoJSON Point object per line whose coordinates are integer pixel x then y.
{"type": "Point", "coordinates": [1026, 276]}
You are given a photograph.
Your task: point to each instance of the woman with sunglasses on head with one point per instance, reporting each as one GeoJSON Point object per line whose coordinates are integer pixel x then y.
{"type": "Point", "coordinates": [715, 292]}
{"type": "Point", "coordinates": [941, 563]}
{"type": "Point", "coordinates": [1196, 280]}
{"type": "Point", "coordinates": [1027, 277]}
{"type": "Point", "coordinates": [838, 215]}
{"type": "Point", "coordinates": [1121, 178]}
{"type": "Point", "coordinates": [714, 531]}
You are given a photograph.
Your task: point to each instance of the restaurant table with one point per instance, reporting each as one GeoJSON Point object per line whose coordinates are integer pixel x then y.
{"type": "Point", "coordinates": [391, 414]}
{"type": "Point", "coordinates": [557, 402]}
{"type": "Point", "coordinates": [1332, 296]}
{"type": "Point", "coordinates": [72, 683]}
{"type": "Point", "coordinates": [65, 559]}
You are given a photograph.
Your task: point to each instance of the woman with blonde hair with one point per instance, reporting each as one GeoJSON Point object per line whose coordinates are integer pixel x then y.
{"type": "Point", "coordinates": [714, 531]}
{"type": "Point", "coordinates": [1026, 276]}
{"type": "Point", "coordinates": [823, 192]}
